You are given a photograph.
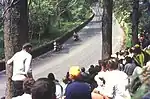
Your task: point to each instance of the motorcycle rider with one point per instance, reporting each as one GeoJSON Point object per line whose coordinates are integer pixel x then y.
{"type": "Point", "coordinates": [57, 46]}
{"type": "Point", "coordinates": [75, 36]}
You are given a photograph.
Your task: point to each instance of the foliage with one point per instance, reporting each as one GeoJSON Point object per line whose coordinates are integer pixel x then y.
{"type": "Point", "coordinates": [51, 16]}
{"type": "Point", "coordinates": [122, 11]}
{"type": "Point", "coordinates": [49, 19]}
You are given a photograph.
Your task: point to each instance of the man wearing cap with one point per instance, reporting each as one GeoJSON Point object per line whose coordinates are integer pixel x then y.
{"type": "Point", "coordinates": [21, 68]}
{"type": "Point", "coordinates": [77, 89]}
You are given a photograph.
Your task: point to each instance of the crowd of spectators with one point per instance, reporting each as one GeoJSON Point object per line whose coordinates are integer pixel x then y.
{"type": "Point", "coordinates": [125, 75]}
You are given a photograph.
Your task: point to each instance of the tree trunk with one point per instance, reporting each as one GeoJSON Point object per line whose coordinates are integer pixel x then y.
{"type": "Point", "coordinates": [107, 29]}
{"type": "Point", "coordinates": [15, 34]}
{"type": "Point", "coordinates": [135, 22]}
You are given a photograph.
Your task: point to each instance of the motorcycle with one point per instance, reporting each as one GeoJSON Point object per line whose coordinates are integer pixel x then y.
{"type": "Point", "coordinates": [57, 47]}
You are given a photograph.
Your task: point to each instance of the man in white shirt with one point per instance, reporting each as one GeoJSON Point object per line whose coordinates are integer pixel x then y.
{"type": "Point", "coordinates": [21, 68]}
{"type": "Point", "coordinates": [115, 82]}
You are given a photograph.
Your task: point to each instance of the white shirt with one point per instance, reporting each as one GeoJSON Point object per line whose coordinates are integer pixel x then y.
{"type": "Point", "coordinates": [59, 91]}
{"type": "Point", "coordinates": [115, 80]}
{"type": "Point", "coordinates": [24, 96]}
{"type": "Point", "coordinates": [136, 73]}
{"type": "Point", "coordinates": [21, 65]}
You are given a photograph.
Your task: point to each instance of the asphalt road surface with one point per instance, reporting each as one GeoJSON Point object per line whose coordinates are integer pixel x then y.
{"type": "Point", "coordinates": [82, 53]}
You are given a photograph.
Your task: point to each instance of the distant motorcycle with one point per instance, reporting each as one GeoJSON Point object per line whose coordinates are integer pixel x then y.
{"type": "Point", "coordinates": [57, 46]}
{"type": "Point", "coordinates": [75, 37]}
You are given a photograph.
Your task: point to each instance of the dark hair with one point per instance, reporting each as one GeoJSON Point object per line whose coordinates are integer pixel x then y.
{"type": "Point", "coordinates": [51, 76]}
{"type": "Point", "coordinates": [3, 98]}
{"type": "Point", "coordinates": [97, 68]}
{"type": "Point", "coordinates": [113, 64]}
{"type": "Point", "coordinates": [42, 89]}
{"type": "Point", "coordinates": [128, 59]}
{"type": "Point", "coordinates": [27, 85]}
{"type": "Point", "coordinates": [83, 69]}
{"type": "Point", "coordinates": [26, 45]}
{"type": "Point", "coordinates": [91, 66]}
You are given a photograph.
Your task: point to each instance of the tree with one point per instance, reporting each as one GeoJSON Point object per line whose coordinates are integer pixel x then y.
{"type": "Point", "coordinates": [107, 29]}
{"type": "Point", "coordinates": [15, 33]}
{"type": "Point", "coordinates": [135, 21]}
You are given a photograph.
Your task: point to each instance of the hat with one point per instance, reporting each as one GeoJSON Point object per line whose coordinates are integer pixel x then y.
{"type": "Point", "coordinates": [74, 70]}
{"type": "Point", "coordinates": [27, 45]}
{"type": "Point", "coordinates": [137, 46]}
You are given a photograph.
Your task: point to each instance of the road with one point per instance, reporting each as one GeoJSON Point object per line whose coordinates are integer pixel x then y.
{"type": "Point", "coordinates": [82, 53]}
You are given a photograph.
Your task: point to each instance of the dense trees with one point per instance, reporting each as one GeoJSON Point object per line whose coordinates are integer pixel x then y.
{"type": "Point", "coordinates": [49, 19]}
{"type": "Point", "coordinates": [123, 10]}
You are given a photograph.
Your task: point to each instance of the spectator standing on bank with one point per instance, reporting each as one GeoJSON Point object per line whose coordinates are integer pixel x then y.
{"type": "Point", "coordinates": [21, 68]}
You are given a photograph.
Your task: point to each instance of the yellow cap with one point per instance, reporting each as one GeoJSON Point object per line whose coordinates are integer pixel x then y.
{"type": "Point", "coordinates": [74, 70]}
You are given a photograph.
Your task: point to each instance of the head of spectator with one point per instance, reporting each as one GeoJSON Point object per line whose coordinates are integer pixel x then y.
{"type": "Point", "coordinates": [104, 65]}
{"type": "Point", "coordinates": [137, 49]}
{"type": "Point", "coordinates": [51, 76]}
{"type": "Point", "coordinates": [92, 66]}
{"type": "Point", "coordinates": [142, 37]}
{"type": "Point", "coordinates": [42, 89]}
{"type": "Point", "coordinates": [27, 47]}
{"type": "Point", "coordinates": [113, 64]}
{"type": "Point", "coordinates": [128, 59]}
{"type": "Point", "coordinates": [66, 80]}
{"type": "Point", "coordinates": [74, 73]}
{"type": "Point", "coordinates": [82, 69]}
{"type": "Point", "coordinates": [91, 70]}
{"type": "Point", "coordinates": [97, 68]}
{"type": "Point", "coordinates": [27, 85]}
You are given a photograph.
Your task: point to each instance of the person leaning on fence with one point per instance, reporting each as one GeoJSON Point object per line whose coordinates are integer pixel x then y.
{"type": "Point", "coordinates": [21, 68]}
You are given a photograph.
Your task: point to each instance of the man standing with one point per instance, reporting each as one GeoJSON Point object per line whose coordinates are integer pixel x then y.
{"type": "Point", "coordinates": [21, 68]}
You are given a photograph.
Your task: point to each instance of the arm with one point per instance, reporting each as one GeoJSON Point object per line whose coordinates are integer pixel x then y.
{"type": "Point", "coordinates": [28, 64]}
{"type": "Point", "coordinates": [10, 60]}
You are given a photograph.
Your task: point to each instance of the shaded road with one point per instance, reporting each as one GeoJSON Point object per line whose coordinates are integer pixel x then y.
{"type": "Point", "coordinates": [82, 53]}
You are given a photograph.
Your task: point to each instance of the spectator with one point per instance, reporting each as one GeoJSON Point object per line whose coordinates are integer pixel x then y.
{"type": "Point", "coordinates": [42, 89]}
{"type": "Point", "coordinates": [27, 85]}
{"type": "Point", "coordinates": [91, 70]}
{"type": "Point", "coordinates": [77, 89]}
{"type": "Point", "coordinates": [21, 68]}
{"type": "Point", "coordinates": [143, 41]}
{"type": "Point", "coordinates": [85, 76]}
{"type": "Point", "coordinates": [115, 82]}
{"type": "Point", "coordinates": [129, 67]}
{"type": "Point", "coordinates": [140, 57]}
{"type": "Point", "coordinates": [59, 88]}
{"type": "Point", "coordinates": [97, 69]}
{"type": "Point", "coordinates": [92, 74]}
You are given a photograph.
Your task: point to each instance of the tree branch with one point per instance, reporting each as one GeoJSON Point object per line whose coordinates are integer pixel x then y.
{"type": "Point", "coordinates": [14, 2]}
